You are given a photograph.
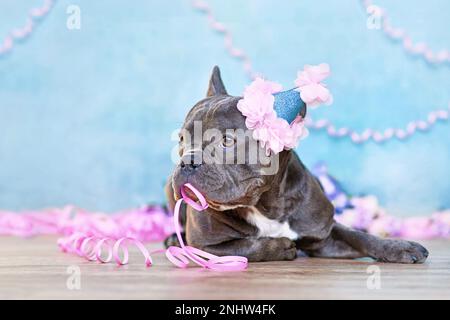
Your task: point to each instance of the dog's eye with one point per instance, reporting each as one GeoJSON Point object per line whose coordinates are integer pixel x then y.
{"type": "Point", "coordinates": [181, 139]}
{"type": "Point", "coordinates": [228, 141]}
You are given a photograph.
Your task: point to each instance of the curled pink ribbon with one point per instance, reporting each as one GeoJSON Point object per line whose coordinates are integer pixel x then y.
{"type": "Point", "coordinates": [92, 248]}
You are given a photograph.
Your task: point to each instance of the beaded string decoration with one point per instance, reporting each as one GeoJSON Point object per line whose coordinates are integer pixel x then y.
{"type": "Point", "coordinates": [20, 33]}
{"type": "Point", "coordinates": [378, 136]}
{"type": "Point", "coordinates": [442, 57]}
{"type": "Point", "coordinates": [368, 134]}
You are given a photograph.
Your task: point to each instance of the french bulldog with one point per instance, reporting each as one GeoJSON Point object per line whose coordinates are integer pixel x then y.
{"type": "Point", "coordinates": [264, 217]}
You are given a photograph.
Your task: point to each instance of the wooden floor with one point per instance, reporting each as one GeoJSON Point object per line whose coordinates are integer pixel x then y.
{"type": "Point", "coordinates": [36, 269]}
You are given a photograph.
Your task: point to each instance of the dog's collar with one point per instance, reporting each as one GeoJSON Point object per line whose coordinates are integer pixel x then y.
{"type": "Point", "coordinates": [275, 115]}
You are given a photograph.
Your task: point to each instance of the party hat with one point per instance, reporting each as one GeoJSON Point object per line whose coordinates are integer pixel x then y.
{"type": "Point", "coordinates": [288, 105]}
{"type": "Point", "coordinates": [276, 116]}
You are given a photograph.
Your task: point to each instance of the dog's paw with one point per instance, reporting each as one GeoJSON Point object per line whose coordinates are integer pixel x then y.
{"type": "Point", "coordinates": [401, 251]}
{"type": "Point", "coordinates": [172, 240]}
{"type": "Point", "coordinates": [282, 249]}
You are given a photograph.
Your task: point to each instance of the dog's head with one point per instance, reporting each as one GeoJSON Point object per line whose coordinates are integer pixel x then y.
{"type": "Point", "coordinates": [219, 155]}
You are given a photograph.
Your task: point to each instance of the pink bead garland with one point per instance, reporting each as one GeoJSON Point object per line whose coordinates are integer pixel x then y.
{"type": "Point", "coordinates": [232, 50]}
{"type": "Point", "coordinates": [324, 124]}
{"type": "Point", "coordinates": [380, 136]}
{"type": "Point", "coordinates": [237, 53]}
{"type": "Point", "coordinates": [23, 32]}
{"type": "Point", "coordinates": [421, 49]}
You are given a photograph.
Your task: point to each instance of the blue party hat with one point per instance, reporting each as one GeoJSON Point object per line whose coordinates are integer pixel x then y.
{"type": "Point", "coordinates": [288, 104]}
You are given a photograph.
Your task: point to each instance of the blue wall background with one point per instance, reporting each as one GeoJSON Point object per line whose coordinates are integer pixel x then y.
{"type": "Point", "coordinates": [86, 115]}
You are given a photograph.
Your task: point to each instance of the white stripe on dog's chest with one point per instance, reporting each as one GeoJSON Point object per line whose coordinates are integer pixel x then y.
{"type": "Point", "coordinates": [269, 227]}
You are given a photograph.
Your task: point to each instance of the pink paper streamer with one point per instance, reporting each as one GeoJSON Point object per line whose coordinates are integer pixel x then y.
{"type": "Point", "coordinates": [179, 256]}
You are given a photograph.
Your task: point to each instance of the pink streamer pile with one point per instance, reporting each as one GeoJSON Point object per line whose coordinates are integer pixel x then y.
{"type": "Point", "coordinates": [145, 224]}
{"type": "Point", "coordinates": [102, 238]}
{"type": "Point", "coordinates": [366, 214]}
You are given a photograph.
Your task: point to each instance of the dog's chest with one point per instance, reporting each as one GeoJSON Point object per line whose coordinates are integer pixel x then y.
{"type": "Point", "coordinates": [269, 227]}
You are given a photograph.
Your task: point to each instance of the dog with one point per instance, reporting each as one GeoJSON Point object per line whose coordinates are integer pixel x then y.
{"type": "Point", "coordinates": [264, 217]}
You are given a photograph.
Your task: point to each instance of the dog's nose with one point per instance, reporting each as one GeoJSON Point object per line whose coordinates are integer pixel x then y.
{"type": "Point", "coordinates": [190, 161]}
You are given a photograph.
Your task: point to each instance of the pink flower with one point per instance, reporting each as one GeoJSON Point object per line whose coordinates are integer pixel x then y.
{"type": "Point", "coordinates": [442, 220]}
{"type": "Point", "coordinates": [309, 82]}
{"type": "Point", "coordinates": [298, 132]}
{"type": "Point", "coordinates": [256, 107]}
{"type": "Point", "coordinates": [419, 228]}
{"type": "Point", "coordinates": [274, 134]}
{"type": "Point", "coordinates": [259, 85]}
{"type": "Point", "coordinates": [385, 226]}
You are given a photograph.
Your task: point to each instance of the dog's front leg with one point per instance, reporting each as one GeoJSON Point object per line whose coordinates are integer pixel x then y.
{"type": "Point", "coordinates": [344, 242]}
{"type": "Point", "coordinates": [256, 249]}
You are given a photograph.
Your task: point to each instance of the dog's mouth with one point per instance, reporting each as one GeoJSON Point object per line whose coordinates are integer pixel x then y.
{"type": "Point", "coordinates": [188, 193]}
{"type": "Point", "coordinates": [218, 206]}
{"type": "Point", "coordinates": [212, 196]}
{"type": "Point", "coordinates": [191, 195]}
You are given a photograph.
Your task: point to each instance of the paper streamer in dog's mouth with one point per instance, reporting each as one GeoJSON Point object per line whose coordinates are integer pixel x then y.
{"type": "Point", "coordinates": [106, 249]}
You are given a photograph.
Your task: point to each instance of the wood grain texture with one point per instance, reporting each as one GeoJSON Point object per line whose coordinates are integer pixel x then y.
{"type": "Point", "coordinates": [36, 269]}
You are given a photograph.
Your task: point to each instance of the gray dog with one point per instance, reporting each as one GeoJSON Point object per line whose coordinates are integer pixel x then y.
{"type": "Point", "coordinates": [259, 216]}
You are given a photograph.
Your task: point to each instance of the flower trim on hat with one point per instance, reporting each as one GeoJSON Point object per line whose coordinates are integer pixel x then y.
{"type": "Point", "coordinates": [275, 134]}
{"type": "Point", "coordinates": [309, 82]}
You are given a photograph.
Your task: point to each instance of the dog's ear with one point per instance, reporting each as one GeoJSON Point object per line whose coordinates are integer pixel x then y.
{"type": "Point", "coordinates": [216, 86]}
